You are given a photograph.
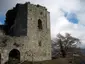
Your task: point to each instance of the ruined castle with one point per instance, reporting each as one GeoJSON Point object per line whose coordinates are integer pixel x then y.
{"type": "Point", "coordinates": [26, 34]}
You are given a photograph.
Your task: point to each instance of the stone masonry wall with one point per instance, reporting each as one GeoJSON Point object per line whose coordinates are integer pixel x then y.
{"type": "Point", "coordinates": [36, 12]}
{"type": "Point", "coordinates": [35, 44]}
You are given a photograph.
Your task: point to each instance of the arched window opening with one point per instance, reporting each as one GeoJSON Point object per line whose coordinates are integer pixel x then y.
{"type": "Point", "coordinates": [39, 24]}
{"type": "Point", "coordinates": [14, 56]}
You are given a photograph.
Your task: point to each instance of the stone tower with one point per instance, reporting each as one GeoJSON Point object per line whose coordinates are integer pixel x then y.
{"type": "Point", "coordinates": [27, 28]}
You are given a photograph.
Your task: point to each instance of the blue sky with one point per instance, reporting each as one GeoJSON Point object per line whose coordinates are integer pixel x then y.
{"type": "Point", "coordinates": [2, 19]}
{"type": "Point", "coordinates": [71, 17]}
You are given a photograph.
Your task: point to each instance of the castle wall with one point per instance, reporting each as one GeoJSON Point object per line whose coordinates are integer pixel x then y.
{"type": "Point", "coordinates": [20, 25]}
{"type": "Point", "coordinates": [35, 35]}
{"type": "Point", "coordinates": [18, 43]}
{"type": "Point", "coordinates": [32, 43]}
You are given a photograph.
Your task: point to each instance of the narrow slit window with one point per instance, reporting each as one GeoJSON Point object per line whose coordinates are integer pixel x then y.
{"type": "Point", "coordinates": [39, 43]}
{"type": "Point", "coordinates": [39, 24]}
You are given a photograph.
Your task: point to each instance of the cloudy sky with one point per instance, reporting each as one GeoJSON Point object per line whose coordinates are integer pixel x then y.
{"type": "Point", "coordinates": [66, 16]}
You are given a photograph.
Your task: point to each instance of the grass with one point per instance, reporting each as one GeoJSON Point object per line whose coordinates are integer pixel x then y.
{"type": "Point", "coordinates": [56, 61]}
{"type": "Point", "coordinates": [70, 60]}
